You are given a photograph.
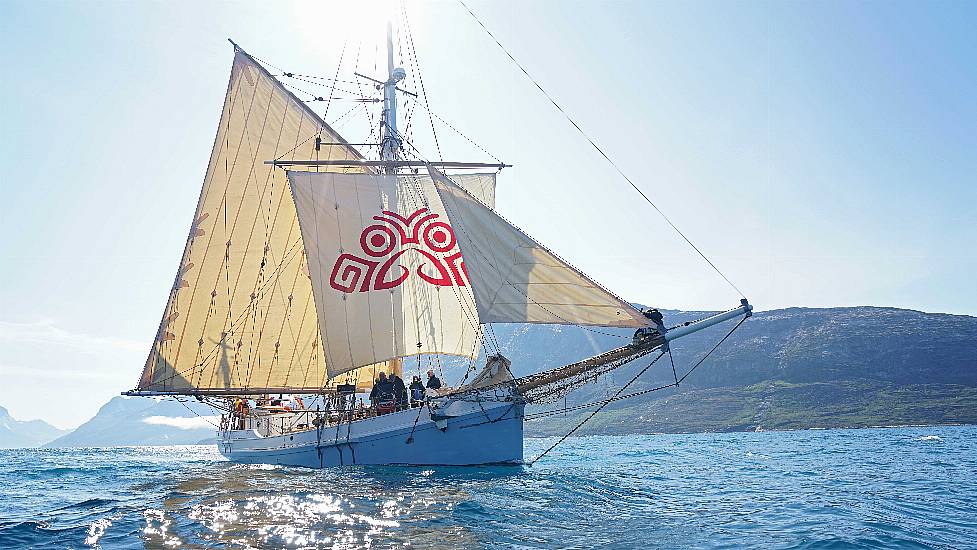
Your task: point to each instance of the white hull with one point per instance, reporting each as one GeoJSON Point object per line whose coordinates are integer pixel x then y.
{"type": "Point", "coordinates": [452, 431]}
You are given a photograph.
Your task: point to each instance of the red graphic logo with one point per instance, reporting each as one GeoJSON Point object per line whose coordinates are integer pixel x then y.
{"type": "Point", "coordinates": [378, 241]}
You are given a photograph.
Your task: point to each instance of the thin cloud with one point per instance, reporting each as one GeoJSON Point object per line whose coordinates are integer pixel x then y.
{"type": "Point", "coordinates": [7, 371]}
{"type": "Point", "coordinates": [78, 371]}
{"type": "Point", "coordinates": [196, 423]}
{"type": "Point", "coordinates": [46, 332]}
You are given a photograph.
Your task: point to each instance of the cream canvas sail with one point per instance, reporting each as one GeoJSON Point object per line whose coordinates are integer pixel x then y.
{"type": "Point", "coordinates": [517, 280]}
{"type": "Point", "coordinates": [241, 313]}
{"type": "Point", "coordinates": [388, 278]}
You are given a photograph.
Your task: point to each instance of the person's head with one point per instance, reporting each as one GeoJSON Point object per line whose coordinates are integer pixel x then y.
{"type": "Point", "coordinates": [416, 378]}
{"type": "Point", "coordinates": [430, 373]}
{"type": "Point", "coordinates": [383, 376]}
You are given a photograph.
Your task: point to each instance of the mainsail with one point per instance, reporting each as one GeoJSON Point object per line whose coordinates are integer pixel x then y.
{"type": "Point", "coordinates": [241, 315]}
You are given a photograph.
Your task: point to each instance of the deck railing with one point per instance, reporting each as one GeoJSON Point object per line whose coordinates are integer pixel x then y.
{"type": "Point", "coordinates": [268, 424]}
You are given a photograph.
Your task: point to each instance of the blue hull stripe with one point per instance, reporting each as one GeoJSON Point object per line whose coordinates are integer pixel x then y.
{"type": "Point", "coordinates": [491, 434]}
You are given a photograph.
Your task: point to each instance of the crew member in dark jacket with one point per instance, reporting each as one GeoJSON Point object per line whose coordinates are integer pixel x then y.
{"type": "Point", "coordinates": [433, 382]}
{"type": "Point", "coordinates": [382, 389]}
{"type": "Point", "coordinates": [400, 391]}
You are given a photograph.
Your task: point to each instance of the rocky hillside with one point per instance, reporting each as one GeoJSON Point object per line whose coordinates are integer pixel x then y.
{"type": "Point", "coordinates": [787, 369]}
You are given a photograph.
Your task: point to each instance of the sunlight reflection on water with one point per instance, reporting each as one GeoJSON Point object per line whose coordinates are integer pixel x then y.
{"type": "Point", "coordinates": [277, 506]}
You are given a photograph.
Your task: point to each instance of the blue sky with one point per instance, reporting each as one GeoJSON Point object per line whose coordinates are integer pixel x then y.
{"type": "Point", "coordinates": [821, 153]}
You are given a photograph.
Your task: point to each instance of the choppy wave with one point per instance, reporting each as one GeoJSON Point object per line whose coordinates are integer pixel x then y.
{"type": "Point", "coordinates": [814, 489]}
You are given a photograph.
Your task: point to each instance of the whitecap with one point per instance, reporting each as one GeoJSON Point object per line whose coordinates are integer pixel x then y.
{"type": "Point", "coordinates": [96, 530]}
{"type": "Point", "coordinates": [257, 467]}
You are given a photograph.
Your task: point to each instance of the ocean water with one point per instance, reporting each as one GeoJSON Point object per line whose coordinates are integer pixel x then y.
{"type": "Point", "coordinates": [891, 488]}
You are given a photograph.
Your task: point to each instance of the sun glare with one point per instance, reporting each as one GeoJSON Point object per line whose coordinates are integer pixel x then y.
{"type": "Point", "coordinates": [355, 22]}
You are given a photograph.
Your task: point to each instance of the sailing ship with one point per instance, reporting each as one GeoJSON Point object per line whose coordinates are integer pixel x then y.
{"type": "Point", "coordinates": [310, 269]}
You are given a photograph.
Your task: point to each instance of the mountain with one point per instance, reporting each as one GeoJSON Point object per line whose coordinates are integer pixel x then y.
{"type": "Point", "coordinates": [25, 433]}
{"type": "Point", "coordinates": [783, 369]}
{"type": "Point", "coordinates": [142, 421]}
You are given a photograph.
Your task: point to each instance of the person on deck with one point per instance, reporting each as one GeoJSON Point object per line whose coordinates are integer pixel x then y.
{"type": "Point", "coordinates": [377, 386]}
{"type": "Point", "coordinates": [433, 382]}
{"type": "Point", "coordinates": [658, 330]}
{"type": "Point", "coordinates": [238, 416]}
{"type": "Point", "coordinates": [400, 391]}
{"type": "Point", "coordinates": [241, 411]}
{"type": "Point", "coordinates": [416, 391]}
{"type": "Point", "coordinates": [245, 413]}
{"type": "Point", "coordinates": [383, 391]}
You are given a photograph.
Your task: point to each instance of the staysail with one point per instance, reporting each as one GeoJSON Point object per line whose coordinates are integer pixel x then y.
{"type": "Point", "coordinates": [241, 314]}
{"type": "Point", "coordinates": [387, 275]}
{"type": "Point", "coordinates": [517, 280]}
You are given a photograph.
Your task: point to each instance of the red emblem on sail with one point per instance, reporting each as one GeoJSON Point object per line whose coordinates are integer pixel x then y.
{"type": "Point", "coordinates": [383, 243]}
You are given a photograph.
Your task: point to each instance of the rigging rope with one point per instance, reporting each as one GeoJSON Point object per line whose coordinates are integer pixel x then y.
{"type": "Point", "coordinates": [459, 132]}
{"type": "Point", "coordinates": [359, 89]}
{"type": "Point", "coordinates": [584, 421]}
{"type": "Point", "coordinates": [488, 329]}
{"type": "Point", "coordinates": [420, 79]}
{"type": "Point", "coordinates": [207, 420]}
{"type": "Point", "coordinates": [488, 259]}
{"type": "Point", "coordinates": [598, 148]}
{"type": "Point", "coordinates": [714, 348]}
{"type": "Point", "coordinates": [332, 89]}
{"type": "Point", "coordinates": [618, 397]}
{"type": "Point", "coordinates": [403, 42]}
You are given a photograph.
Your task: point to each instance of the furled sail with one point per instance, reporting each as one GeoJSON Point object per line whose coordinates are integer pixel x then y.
{"type": "Point", "coordinates": [386, 271]}
{"type": "Point", "coordinates": [517, 280]}
{"type": "Point", "coordinates": [241, 315]}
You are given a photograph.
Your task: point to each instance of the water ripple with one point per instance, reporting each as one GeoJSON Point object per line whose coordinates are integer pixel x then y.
{"type": "Point", "coordinates": [880, 488]}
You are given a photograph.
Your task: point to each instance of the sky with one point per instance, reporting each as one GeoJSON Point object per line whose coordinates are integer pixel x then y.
{"type": "Point", "coordinates": [819, 153]}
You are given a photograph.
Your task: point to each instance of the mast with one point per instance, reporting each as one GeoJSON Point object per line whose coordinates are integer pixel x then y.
{"type": "Point", "coordinates": [391, 141]}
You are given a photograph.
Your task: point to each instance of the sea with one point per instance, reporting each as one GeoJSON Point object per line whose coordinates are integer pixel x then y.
{"type": "Point", "coordinates": [848, 488]}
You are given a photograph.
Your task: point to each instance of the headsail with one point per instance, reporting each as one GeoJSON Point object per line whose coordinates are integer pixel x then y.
{"type": "Point", "coordinates": [241, 314]}
{"type": "Point", "coordinates": [517, 280]}
{"type": "Point", "coordinates": [387, 275]}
